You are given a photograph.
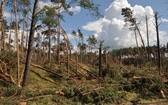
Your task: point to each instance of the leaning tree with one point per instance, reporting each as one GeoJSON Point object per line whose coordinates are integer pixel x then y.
{"type": "Point", "coordinates": [129, 18]}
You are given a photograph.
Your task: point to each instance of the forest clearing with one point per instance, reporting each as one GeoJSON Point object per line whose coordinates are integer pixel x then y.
{"type": "Point", "coordinates": [44, 61]}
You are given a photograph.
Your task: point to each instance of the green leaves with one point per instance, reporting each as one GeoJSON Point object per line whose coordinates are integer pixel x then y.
{"type": "Point", "coordinates": [92, 40]}
{"type": "Point", "coordinates": [50, 16]}
{"type": "Point", "coordinates": [88, 5]}
{"type": "Point", "coordinates": [80, 34]}
{"type": "Point", "coordinates": [128, 15]}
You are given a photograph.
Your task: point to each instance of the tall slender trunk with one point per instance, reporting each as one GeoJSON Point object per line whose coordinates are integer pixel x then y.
{"type": "Point", "coordinates": [147, 33]}
{"type": "Point", "coordinates": [58, 38]}
{"type": "Point", "coordinates": [67, 53]}
{"type": "Point", "coordinates": [81, 55]}
{"type": "Point", "coordinates": [136, 39]}
{"type": "Point", "coordinates": [27, 39]}
{"type": "Point", "coordinates": [81, 51]}
{"type": "Point", "coordinates": [100, 58]}
{"type": "Point", "coordinates": [2, 44]}
{"type": "Point", "coordinates": [16, 39]}
{"type": "Point", "coordinates": [136, 26]}
{"type": "Point", "coordinates": [30, 44]}
{"type": "Point", "coordinates": [58, 45]}
{"type": "Point", "coordinates": [10, 31]}
{"type": "Point", "coordinates": [27, 35]}
{"type": "Point", "coordinates": [76, 63]}
{"type": "Point", "coordinates": [49, 45]}
{"type": "Point", "coordinates": [158, 42]}
{"type": "Point", "coordinates": [22, 39]}
{"type": "Point", "coordinates": [68, 62]}
{"type": "Point", "coordinates": [3, 35]}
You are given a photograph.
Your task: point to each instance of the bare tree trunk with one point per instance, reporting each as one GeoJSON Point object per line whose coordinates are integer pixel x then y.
{"type": "Point", "coordinates": [22, 40]}
{"type": "Point", "coordinates": [81, 55]}
{"type": "Point", "coordinates": [58, 38]}
{"type": "Point", "coordinates": [27, 35]}
{"type": "Point", "coordinates": [147, 33]}
{"type": "Point", "coordinates": [16, 39]}
{"type": "Point", "coordinates": [10, 32]}
{"type": "Point", "coordinates": [68, 62]}
{"type": "Point", "coordinates": [136, 26]}
{"type": "Point", "coordinates": [136, 39]}
{"type": "Point", "coordinates": [2, 44]}
{"type": "Point", "coordinates": [100, 58]}
{"type": "Point", "coordinates": [30, 44]}
{"type": "Point", "coordinates": [76, 63]}
{"type": "Point", "coordinates": [158, 42]}
{"type": "Point", "coordinates": [58, 45]}
{"type": "Point", "coordinates": [3, 35]}
{"type": "Point", "coordinates": [27, 39]}
{"type": "Point", "coordinates": [49, 46]}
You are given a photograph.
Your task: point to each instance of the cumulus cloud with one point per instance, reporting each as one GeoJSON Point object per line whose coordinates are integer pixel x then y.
{"type": "Point", "coordinates": [75, 9]}
{"type": "Point", "coordinates": [112, 29]}
{"type": "Point", "coordinates": [97, 25]}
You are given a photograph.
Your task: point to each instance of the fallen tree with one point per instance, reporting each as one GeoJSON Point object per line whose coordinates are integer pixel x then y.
{"type": "Point", "coordinates": [5, 73]}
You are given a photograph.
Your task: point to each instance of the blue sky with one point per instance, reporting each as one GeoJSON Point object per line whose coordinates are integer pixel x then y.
{"type": "Point", "coordinates": [78, 20]}
{"type": "Point", "coordinates": [112, 25]}
{"type": "Point", "coordinates": [83, 18]}
{"type": "Point", "coordinates": [161, 6]}
{"type": "Point", "coordinates": [157, 5]}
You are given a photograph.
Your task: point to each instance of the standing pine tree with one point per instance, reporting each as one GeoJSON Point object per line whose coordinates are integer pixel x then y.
{"type": "Point", "coordinates": [49, 19]}
{"type": "Point", "coordinates": [128, 15]}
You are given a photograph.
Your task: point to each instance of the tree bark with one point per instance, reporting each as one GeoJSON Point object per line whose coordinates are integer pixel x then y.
{"type": "Point", "coordinates": [27, 35]}
{"type": "Point", "coordinates": [136, 26]}
{"type": "Point", "coordinates": [76, 63]}
{"type": "Point", "coordinates": [10, 32]}
{"type": "Point", "coordinates": [158, 42]}
{"type": "Point", "coordinates": [147, 33]}
{"type": "Point", "coordinates": [22, 40]}
{"type": "Point", "coordinates": [16, 39]}
{"type": "Point", "coordinates": [30, 44]}
{"type": "Point", "coordinates": [58, 45]}
{"type": "Point", "coordinates": [136, 38]}
{"type": "Point", "coordinates": [68, 62]}
{"type": "Point", "coordinates": [49, 45]}
{"type": "Point", "coordinates": [2, 44]}
{"type": "Point", "coordinates": [100, 58]}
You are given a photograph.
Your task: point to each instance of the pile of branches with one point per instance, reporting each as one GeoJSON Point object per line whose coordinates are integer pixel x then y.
{"type": "Point", "coordinates": [5, 73]}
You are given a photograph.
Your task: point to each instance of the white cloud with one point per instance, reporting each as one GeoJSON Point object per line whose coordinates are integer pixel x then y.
{"type": "Point", "coordinates": [163, 20]}
{"type": "Point", "coordinates": [75, 9]}
{"type": "Point", "coordinates": [44, 3]}
{"type": "Point", "coordinates": [97, 25]}
{"type": "Point", "coordinates": [112, 27]}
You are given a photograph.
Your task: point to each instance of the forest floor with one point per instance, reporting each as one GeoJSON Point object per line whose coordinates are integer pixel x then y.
{"type": "Point", "coordinates": [124, 85]}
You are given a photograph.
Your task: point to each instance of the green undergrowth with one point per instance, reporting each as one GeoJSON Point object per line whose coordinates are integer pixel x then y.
{"type": "Point", "coordinates": [122, 85]}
